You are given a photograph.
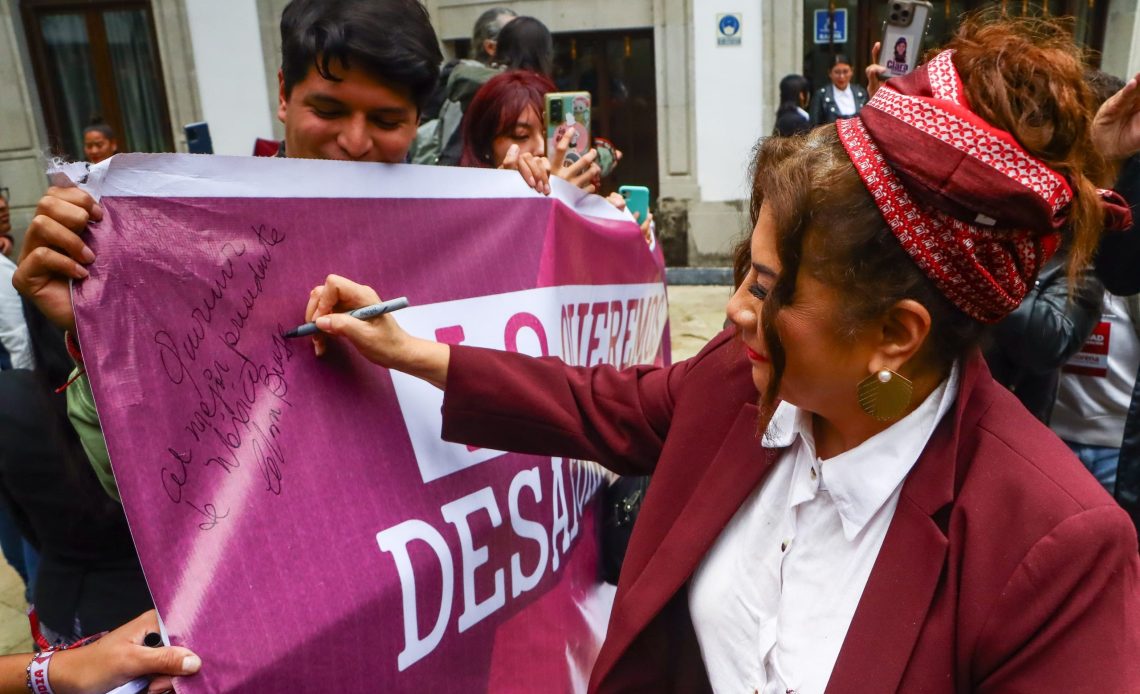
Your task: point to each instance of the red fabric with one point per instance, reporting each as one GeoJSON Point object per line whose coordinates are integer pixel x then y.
{"type": "Point", "coordinates": [975, 211]}
{"type": "Point", "coordinates": [265, 148]}
{"type": "Point", "coordinates": [1117, 213]}
{"type": "Point", "coordinates": [1006, 566]}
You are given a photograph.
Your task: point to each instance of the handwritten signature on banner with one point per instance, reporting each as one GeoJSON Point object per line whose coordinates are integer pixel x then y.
{"type": "Point", "coordinates": [240, 400]}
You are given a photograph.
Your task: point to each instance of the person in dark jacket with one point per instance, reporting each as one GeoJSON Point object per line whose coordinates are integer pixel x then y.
{"type": "Point", "coordinates": [791, 118]}
{"type": "Point", "coordinates": [841, 98]}
{"type": "Point", "coordinates": [1030, 345]}
{"type": "Point", "coordinates": [89, 579]}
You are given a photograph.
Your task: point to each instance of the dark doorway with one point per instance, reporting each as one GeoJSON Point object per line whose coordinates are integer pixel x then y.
{"type": "Point", "coordinates": [98, 60]}
{"type": "Point", "coordinates": [617, 68]}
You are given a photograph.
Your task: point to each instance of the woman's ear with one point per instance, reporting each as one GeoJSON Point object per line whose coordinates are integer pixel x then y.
{"type": "Point", "coordinates": [903, 332]}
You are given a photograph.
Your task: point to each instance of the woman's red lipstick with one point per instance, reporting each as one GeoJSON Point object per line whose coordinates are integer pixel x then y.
{"type": "Point", "coordinates": [755, 356]}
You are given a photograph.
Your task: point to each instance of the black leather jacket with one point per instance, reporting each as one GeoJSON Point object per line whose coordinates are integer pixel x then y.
{"type": "Point", "coordinates": [1118, 266]}
{"type": "Point", "coordinates": [823, 108]}
{"type": "Point", "coordinates": [1029, 346]}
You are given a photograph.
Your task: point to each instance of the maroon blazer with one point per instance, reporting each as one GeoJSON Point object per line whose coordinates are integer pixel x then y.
{"type": "Point", "coordinates": [1006, 567]}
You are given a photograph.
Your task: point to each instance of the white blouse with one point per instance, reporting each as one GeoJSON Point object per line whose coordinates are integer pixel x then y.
{"type": "Point", "coordinates": [772, 600]}
{"type": "Point", "coordinates": [844, 100]}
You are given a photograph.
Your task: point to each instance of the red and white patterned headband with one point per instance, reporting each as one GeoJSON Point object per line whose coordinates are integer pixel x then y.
{"type": "Point", "coordinates": [976, 212]}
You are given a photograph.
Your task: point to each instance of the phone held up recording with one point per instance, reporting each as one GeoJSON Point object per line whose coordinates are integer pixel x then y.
{"type": "Point", "coordinates": [636, 201]}
{"type": "Point", "coordinates": [903, 32]}
{"type": "Point", "coordinates": [568, 111]}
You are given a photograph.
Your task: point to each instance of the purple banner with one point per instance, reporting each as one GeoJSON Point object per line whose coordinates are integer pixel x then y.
{"type": "Point", "coordinates": [300, 523]}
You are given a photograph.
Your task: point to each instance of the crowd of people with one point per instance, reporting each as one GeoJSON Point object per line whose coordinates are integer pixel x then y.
{"type": "Point", "coordinates": [864, 451]}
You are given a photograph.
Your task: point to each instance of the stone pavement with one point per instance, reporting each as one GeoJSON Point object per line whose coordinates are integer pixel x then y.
{"type": "Point", "coordinates": [696, 314]}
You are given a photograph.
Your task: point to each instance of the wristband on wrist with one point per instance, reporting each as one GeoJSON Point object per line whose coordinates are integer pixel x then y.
{"type": "Point", "coordinates": [38, 673]}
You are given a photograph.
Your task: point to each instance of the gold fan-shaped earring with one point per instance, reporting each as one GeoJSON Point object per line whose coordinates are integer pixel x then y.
{"type": "Point", "coordinates": [885, 394]}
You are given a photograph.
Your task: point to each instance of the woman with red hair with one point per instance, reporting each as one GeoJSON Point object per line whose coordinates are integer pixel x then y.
{"type": "Point", "coordinates": [503, 128]}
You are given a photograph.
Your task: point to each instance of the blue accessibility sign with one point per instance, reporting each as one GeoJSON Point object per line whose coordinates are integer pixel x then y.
{"type": "Point", "coordinates": [831, 26]}
{"type": "Point", "coordinates": [728, 29]}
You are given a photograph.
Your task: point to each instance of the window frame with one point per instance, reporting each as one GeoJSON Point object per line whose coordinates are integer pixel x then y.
{"type": "Point", "coordinates": [92, 11]}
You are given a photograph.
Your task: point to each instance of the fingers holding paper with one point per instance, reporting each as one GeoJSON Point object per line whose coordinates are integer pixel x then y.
{"type": "Point", "coordinates": [53, 252]}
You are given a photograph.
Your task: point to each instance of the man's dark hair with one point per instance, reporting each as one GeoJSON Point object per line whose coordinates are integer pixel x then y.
{"type": "Point", "coordinates": [487, 28]}
{"type": "Point", "coordinates": [526, 44]}
{"type": "Point", "coordinates": [391, 40]}
{"type": "Point", "coordinates": [98, 126]}
{"type": "Point", "coordinates": [1102, 84]}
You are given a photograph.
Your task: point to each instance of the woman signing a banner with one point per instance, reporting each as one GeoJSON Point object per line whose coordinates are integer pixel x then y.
{"type": "Point", "coordinates": [887, 513]}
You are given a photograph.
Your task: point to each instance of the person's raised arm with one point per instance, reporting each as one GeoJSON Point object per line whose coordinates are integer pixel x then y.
{"type": "Point", "coordinates": [499, 399]}
{"type": "Point", "coordinates": [53, 253]}
{"type": "Point", "coordinates": [1116, 135]}
{"type": "Point", "coordinates": [876, 74]}
{"type": "Point", "coordinates": [1116, 126]}
{"type": "Point", "coordinates": [381, 340]}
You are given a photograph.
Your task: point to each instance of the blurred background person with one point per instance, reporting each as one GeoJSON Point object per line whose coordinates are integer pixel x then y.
{"type": "Point", "coordinates": [485, 34]}
{"type": "Point", "coordinates": [439, 138]}
{"type": "Point", "coordinates": [791, 116]}
{"type": "Point", "coordinates": [526, 44]}
{"type": "Point", "coordinates": [1096, 389]}
{"type": "Point", "coordinates": [1116, 134]}
{"type": "Point", "coordinates": [88, 578]}
{"type": "Point", "coordinates": [99, 142]}
{"type": "Point", "coordinates": [1029, 347]}
{"type": "Point", "coordinates": [15, 353]}
{"type": "Point", "coordinates": [840, 99]}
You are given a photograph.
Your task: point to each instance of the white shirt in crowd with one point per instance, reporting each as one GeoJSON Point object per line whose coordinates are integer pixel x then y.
{"type": "Point", "coordinates": [15, 347]}
{"type": "Point", "coordinates": [844, 100]}
{"type": "Point", "coordinates": [1096, 385]}
{"type": "Point", "coordinates": [772, 600]}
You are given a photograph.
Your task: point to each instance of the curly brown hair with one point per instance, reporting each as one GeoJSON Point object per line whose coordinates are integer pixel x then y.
{"type": "Point", "coordinates": [1024, 76]}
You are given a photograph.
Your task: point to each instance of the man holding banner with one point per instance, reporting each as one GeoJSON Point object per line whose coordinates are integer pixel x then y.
{"type": "Point", "coordinates": [453, 568]}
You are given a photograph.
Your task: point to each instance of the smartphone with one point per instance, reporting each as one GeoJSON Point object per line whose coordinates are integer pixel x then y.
{"type": "Point", "coordinates": [568, 111]}
{"type": "Point", "coordinates": [902, 35]}
{"type": "Point", "coordinates": [636, 201]}
{"type": "Point", "coordinates": [198, 138]}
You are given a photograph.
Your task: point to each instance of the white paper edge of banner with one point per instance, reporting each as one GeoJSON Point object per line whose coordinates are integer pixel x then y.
{"type": "Point", "coordinates": [219, 176]}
